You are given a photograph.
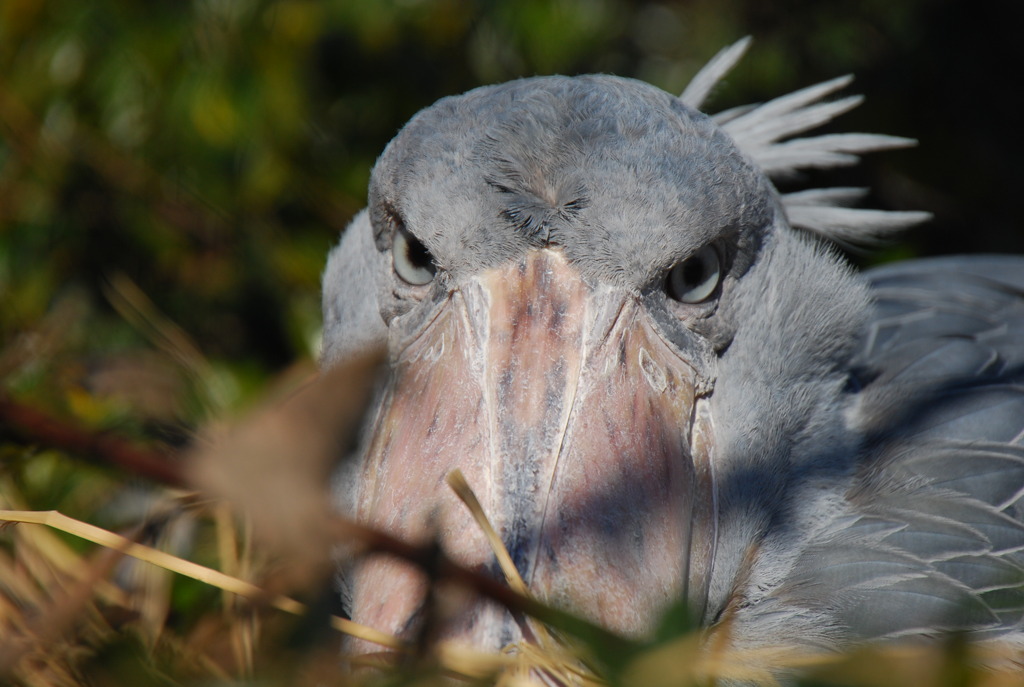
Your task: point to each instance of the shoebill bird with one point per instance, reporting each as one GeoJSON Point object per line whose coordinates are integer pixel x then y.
{"type": "Point", "coordinates": [662, 380]}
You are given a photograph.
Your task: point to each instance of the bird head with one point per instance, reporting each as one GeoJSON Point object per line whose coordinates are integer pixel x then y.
{"type": "Point", "coordinates": [599, 309]}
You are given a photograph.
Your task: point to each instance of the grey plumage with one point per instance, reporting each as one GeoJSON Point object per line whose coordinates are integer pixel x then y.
{"type": "Point", "coordinates": [865, 433]}
{"type": "Point", "coordinates": [928, 533]}
{"type": "Point", "coordinates": [352, 321]}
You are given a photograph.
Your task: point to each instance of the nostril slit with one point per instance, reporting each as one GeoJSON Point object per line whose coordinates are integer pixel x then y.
{"type": "Point", "coordinates": [653, 372]}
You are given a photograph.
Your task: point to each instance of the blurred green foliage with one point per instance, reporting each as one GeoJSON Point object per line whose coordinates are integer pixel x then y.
{"type": "Point", "coordinates": [211, 151]}
{"type": "Point", "coordinates": [173, 173]}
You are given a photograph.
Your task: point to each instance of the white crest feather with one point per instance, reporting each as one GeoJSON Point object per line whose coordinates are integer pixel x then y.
{"type": "Point", "coordinates": [823, 211]}
{"type": "Point", "coordinates": [763, 133]}
{"type": "Point", "coordinates": [700, 86]}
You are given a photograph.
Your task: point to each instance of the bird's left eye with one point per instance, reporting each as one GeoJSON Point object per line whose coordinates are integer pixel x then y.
{"type": "Point", "coordinates": [412, 261]}
{"type": "Point", "coordinates": [696, 278]}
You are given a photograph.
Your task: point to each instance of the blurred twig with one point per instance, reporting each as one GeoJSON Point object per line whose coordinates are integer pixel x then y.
{"type": "Point", "coordinates": [442, 567]}
{"type": "Point", "coordinates": [35, 426]}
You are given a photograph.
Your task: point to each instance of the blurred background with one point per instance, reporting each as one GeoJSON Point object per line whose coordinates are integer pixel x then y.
{"type": "Point", "coordinates": [173, 174]}
{"type": "Point", "coordinates": [193, 162]}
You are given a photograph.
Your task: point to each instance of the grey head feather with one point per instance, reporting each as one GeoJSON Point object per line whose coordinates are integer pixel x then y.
{"type": "Point", "coordinates": [762, 132]}
{"type": "Point", "coordinates": [352, 320]}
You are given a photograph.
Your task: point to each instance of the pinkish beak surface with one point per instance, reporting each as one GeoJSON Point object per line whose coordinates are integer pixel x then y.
{"type": "Point", "coordinates": [574, 422]}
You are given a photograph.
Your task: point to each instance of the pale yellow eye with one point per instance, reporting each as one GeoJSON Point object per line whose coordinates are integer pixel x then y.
{"type": "Point", "coordinates": [412, 261]}
{"type": "Point", "coordinates": [695, 279]}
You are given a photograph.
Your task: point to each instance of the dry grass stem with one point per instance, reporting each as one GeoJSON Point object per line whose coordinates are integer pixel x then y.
{"type": "Point", "coordinates": [214, 578]}
{"type": "Point", "coordinates": [548, 655]}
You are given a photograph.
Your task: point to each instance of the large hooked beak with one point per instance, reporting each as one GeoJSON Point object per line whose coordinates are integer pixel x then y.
{"type": "Point", "coordinates": [580, 430]}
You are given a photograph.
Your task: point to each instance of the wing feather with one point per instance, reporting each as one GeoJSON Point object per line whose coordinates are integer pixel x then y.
{"type": "Point", "coordinates": [930, 534]}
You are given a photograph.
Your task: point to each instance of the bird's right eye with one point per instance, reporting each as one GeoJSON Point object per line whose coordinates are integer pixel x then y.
{"type": "Point", "coordinates": [412, 261]}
